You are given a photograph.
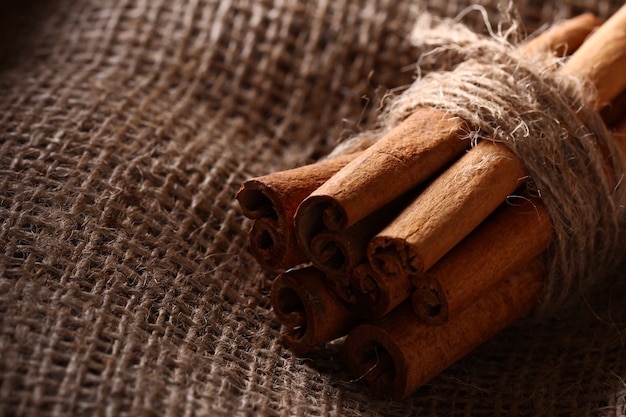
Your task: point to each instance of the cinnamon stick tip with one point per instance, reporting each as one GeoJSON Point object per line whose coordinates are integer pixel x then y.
{"type": "Point", "coordinates": [310, 311]}
{"type": "Point", "coordinates": [371, 356]}
{"type": "Point", "coordinates": [364, 282]}
{"type": "Point", "coordinates": [268, 245]}
{"type": "Point", "coordinates": [328, 254]}
{"type": "Point", "coordinates": [290, 310]}
{"type": "Point", "coordinates": [376, 296]}
{"type": "Point", "coordinates": [315, 213]}
{"type": "Point", "coordinates": [254, 200]}
{"type": "Point", "coordinates": [286, 302]}
{"type": "Point", "coordinates": [430, 306]}
{"type": "Point", "coordinates": [263, 236]}
{"type": "Point", "coordinates": [393, 257]}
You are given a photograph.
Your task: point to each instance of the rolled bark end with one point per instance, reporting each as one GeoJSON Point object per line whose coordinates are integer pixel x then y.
{"type": "Point", "coordinates": [334, 216]}
{"type": "Point", "coordinates": [376, 295]}
{"type": "Point", "coordinates": [328, 254]}
{"type": "Point", "coordinates": [278, 194]}
{"type": "Point", "coordinates": [372, 355]}
{"type": "Point", "coordinates": [365, 284]}
{"type": "Point", "coordinates": [393, 258]}
{"type": "Point", "coordinates": [288, 307]}
{"type": "Point", "coordinates": [308, 221]}
{"type": "Point", "coordinates": [376, 363]}
{"type": "Point", "coordinates": [430, 305]}
{"type": "Point", "coordinates": [273, 249]}
{"type": "Point", "coordinates": [267, 243]}
{"type": "Point", "coordinates": [365, 287]}
{"type": "Point", "coordinates": [312, 216]}
{"type": "Point", "coordinates": [310, 311]}
{"type": "Point", "coordinates": [254, 201]}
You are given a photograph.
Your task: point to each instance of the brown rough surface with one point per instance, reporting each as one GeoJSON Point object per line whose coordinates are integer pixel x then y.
{"type": "Point", "coordinates": [126, 285]}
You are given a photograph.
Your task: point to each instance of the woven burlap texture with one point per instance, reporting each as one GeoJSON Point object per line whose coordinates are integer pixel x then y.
{"type": "Point", "coordinates": [126, 284]}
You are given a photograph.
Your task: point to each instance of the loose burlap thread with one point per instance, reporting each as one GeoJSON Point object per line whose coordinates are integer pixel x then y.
{"type": "Point", "coordinates": [546, 119]}
{"type": "Point", "coordinates": [126, 285]}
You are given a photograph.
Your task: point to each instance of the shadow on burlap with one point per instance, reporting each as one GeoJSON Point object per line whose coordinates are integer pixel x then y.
{"type": "Point", "coordinates": [126, 286]}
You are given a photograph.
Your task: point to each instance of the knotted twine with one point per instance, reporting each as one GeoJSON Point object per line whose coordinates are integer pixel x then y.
{"type": "Point", "coordinates": [546, 120]}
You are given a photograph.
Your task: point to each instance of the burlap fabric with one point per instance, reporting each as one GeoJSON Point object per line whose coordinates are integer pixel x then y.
{"type": "Point", "coordinates": [126, 285]}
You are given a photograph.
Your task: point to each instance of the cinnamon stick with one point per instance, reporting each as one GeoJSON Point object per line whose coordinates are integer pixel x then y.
{"type": "Point", "coordinates": [377, 294]}
{"type": "Point", "coordinates": [272, 201]}
{"type": "Point", "coordinates": [446, 211]}
{"type": "Point", "coordinates": [563, 38]}
{"type": "Point", "coordinates": [310, 311]}
{"type": "Point", "coordinates": [601, 59]}
{"type": "Point", "coordinates": [407, 156]}
{"type": "Point", "coordinates": [512, 236]}
{"type": "Point", "coordinates": [397, 354]}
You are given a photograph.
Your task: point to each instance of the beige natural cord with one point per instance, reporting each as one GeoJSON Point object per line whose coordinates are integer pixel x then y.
{"type": "Point", "coordinates": [547, 121]}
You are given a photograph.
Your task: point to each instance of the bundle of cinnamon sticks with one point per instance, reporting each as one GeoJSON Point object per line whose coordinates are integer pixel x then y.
{"type": "Point", "coordinates": [411, 247]}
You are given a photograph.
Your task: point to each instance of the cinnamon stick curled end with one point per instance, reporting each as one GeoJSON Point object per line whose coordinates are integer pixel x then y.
{"type": "Point", "coordinates": [316, 214]}
{"type": "Point", "coordinates": [330, 253]}
{"type": "Point", "coordinates": [373, 356]}
{"type": "Point", "coordinates": [429, 304]}
{"type": "Point", "coordinates": [393, 257]}
{"type": "Point", "coordinates": [375, 294]}
{"type": "Point", "coordinates": [257, 200]}
{"type": "Point", "coordinates": [310, 311]}
{"type": "Point", "coordinates": [271, 247]}
{"type": "Point", "coordinates": [272, 238]}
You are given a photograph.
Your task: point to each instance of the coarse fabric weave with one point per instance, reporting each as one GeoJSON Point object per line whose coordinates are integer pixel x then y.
{"type": "Point", "coordinates": [126, 284]}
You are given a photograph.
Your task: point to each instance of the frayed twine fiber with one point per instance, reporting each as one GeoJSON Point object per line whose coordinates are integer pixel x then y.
{"type": "Point", "coordinates": [545, 119]}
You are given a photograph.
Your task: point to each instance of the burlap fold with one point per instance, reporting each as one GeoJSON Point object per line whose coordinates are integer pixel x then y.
{"type": "Point", "coordinates": [126, 285]}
